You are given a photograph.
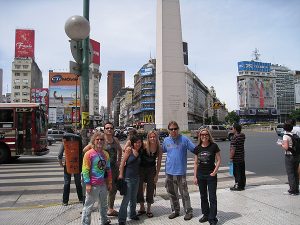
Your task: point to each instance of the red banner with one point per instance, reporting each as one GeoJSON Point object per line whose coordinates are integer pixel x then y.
{"type": "Point", "coordinates": [24, 44]}
{"type": "Point", "coordinates": [96, 51]}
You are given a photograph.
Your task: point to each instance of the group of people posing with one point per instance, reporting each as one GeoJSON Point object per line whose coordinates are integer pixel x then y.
{"type": "Point", "coordinates": [138, 165]}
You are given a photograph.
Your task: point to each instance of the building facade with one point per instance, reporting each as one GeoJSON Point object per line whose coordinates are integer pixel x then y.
{"type": "Point", "coordinates": [115, 81]}
{"type": "Point", "coordinates": [1, 82]}
{"type": "Point", "coordinates": [25, 75]}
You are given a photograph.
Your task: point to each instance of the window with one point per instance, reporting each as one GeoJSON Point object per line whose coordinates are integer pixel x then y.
{"type": "Point", "coordinates": [25, 93]}
{"type": "Point", "coordinates": [6, 118]}
{"type": "Point", "coordinates": [25, 74]}
{"type": "Point", "coordinates": [17, 74]}
{"type": "Point", "coordinates": [17, 66]}
{"type": "Point", "coordinates": [17, 81]}
{"type": "Point", "coordinates": [17, 87]}
{"type": "Point", "coordinates": [17, 94]}
{"type": "Point", "coordinates": [25, 100]}
{"type": "Point", "coordinates": [25, 66]}
{"type": "Point", "coordinates": [25, 81]}
{"type": "Point", "coordinates": [25, 87]}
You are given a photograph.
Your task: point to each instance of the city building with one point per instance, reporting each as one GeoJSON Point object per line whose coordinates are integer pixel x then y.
{"type": "Point", "coordinates": [256, 85]}
{"type": "Point", "coordinates": [115, 81]}
{"type": "Point", "coordinates": [25, 75]}
{"type": "Point", "coordinates": [115, 105]}
{"type": "Point", "coordinates": [1, 82]}
{"type": "Point", "coordinates": [25, 72]}
{"type": "Point", "coordinates": [297, 89]}
{"type": "Point", "coordinates": [285, 90]}
{"type": "Point", "coordinates": [126, 115]}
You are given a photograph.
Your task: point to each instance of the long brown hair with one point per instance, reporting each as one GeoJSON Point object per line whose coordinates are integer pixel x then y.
{"type": "Point", "coordinates": [211, 140]}
{"type": "Point", "coordinates": [147, 142]}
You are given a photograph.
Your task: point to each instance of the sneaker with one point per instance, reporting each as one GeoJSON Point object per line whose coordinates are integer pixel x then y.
{"type": "Point", "coordinates": [235, 188]}
{"type": "Point", "coordinates": [188, 216]}
{"type": "Point", "coordinates": [173, 215]}
{"type": "Point", "coordinates": [203, 219]}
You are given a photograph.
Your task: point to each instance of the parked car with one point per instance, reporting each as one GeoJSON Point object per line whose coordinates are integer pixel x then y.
{"type": "Point", "coordinates": [217, 132]}
{"type": "Point", "coordinates": [56, 134]}
{"type": "Point", "coordinates": [279, 130]}
{"type": "Point", "coordinates": [50, 140]}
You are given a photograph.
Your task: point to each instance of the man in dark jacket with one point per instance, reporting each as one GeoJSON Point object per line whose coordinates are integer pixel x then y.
{"type": "Point", "coordinates": [237, 155]}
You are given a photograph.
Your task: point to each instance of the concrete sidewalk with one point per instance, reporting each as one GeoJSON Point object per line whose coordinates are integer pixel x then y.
{"type": "Point", "coordinates": [257, 205]}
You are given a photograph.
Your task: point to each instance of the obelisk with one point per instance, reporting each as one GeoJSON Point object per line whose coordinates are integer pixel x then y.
{"type": "Point", "coordinates": [171, 91]}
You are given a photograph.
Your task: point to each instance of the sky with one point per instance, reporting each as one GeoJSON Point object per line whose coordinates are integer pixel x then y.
{"type": "Point", "coordinates": [219, 33]}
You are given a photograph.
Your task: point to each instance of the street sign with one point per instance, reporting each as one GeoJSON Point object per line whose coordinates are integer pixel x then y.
{"type": "Point", "coordinates": [217, 105]}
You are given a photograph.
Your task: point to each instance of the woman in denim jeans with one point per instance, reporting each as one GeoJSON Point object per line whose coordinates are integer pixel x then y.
{"type": "Point", "coordinates": [206, 164]}
{"type": "Point", "coordinates": [130, 172]}
{"type": "Point", "coordinates": [97, 177]}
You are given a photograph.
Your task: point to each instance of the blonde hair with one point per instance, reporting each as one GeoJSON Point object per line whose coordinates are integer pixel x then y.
{"type": "Point", "coordinates": [147, 142]}
{"type": "Point", "coordinates": [211, 140]}
{"type": "Point", "coordinates": [95, 135]}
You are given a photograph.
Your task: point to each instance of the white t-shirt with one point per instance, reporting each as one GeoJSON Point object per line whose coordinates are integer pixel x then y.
{"type": "Point", "coordinates": [296, 130]}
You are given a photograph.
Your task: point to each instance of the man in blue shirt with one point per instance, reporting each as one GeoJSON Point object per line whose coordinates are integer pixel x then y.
{"type": "Point", "coordinates": [176, 146]}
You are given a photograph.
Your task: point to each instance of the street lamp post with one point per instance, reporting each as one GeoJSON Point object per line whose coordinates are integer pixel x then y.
{"type": "Point", "coordinates": [77, 29]}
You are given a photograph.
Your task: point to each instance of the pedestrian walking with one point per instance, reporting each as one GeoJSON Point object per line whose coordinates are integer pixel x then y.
{"type": "Point", "coordinates": [291, 161]}
{"type": "Point", "coordinates": [176, 146]}
{"type": "Point", "coordinates": [67, 177]}
{"type": "Point", "coordinates": [237, 155]}
{"type": "Point", "coordinates": [97, 177]}
{"type": "Point", "coordinates": [296, 130]}
{"type": "Point", "coordinates": [150, 166]}
{"type": "Point", "coordinates": [114, 149]}
{"type": "Point", "coordinates": [207, 161]}
{"type": "Point", "coordinates": [129, 171]}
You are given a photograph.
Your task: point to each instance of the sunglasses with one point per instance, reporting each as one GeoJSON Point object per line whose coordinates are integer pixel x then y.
{"type": "Point", "coordinates": [99, 139]}
{"type": "Point", "coordinates": [173, 129]}
{"type": "Point", "coordinates": [108, 128]}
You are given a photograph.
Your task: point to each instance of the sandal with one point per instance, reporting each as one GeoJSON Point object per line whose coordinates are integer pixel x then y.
{"type": "Point", "coordinates": [113, 213]}
{"type": "Point", "coordinates": [141, 212]}
{"type": "Point", "coordinates": [149, 214]}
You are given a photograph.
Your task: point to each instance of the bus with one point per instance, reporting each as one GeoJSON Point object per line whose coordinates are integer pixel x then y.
{"type": "Point", "coordinates": [23, 130]}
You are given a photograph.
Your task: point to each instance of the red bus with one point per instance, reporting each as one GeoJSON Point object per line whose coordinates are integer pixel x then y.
{"type": "Point", "coordinates": [23, 130]}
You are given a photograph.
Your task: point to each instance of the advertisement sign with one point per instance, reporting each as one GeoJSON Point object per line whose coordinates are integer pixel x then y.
{"type": "Point", "coordinates": [60, 115]}
{"type": "Point", "coordinates": [146, 71]}
{"type": "Point", "coordinates": [254, 66]}
{"type": "Point", "coordinates": [75, 116]}
{"type": "Point", "coordinates": [96, 51]}
{"type": "Point", "coordinates": [52, 115]}
{"type": "Point", "coordinates": [256, 92]}
{"type": "Point", "coordinates": [62, 90]}
{"type": "Point", "coordinates": [40, 95]}
{"type": "Point", "coordinates": [24, 43]}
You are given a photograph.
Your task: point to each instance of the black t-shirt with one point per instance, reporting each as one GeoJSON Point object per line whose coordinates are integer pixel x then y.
{"type": "Point", "coordinates": [206, 158]}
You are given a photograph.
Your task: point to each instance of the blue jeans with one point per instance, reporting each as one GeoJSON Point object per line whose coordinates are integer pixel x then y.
{"type": "Point", "coordinates": [67, 183]}
{"type": "Point", "coordinates": [98, 193]}
{"type": "Point", "coordinates": [208, 182]}
{"type": "Point", "coordinates": [131, 195]}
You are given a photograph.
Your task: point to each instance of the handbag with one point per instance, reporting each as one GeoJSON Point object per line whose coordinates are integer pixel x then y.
{"type": "Point", "coordinates": [122, 186]}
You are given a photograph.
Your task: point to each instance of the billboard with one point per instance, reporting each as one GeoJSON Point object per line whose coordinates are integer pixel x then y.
{"type": "Point", "coordinates": [24, 43]}
{"type": "Point", "coordinates": [62, 90]}
{"type": "Point", "coordinates": [257, 92]}
{"type": "Point", "coordinates": [96, 51]}
{"type": "Point", "coordinates": [146, 71]}
{"type": "Point", "coordinates": [254, 66]}
{"type": "Point", "coordinates": [40, 95]}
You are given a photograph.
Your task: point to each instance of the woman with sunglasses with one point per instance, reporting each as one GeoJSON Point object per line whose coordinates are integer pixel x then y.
{"type": "Point", "coordinates": [206, 164]}
{"type": "Point", "coordinates": [97, 178]}
{"type": "Point", "coordinates": [149, 170]}
{"type": "Point", "coordinates": [130, 174]}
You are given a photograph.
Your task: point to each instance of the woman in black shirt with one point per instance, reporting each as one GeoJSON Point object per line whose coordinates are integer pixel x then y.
{"type": "Point", "coordinates": [206, 165]}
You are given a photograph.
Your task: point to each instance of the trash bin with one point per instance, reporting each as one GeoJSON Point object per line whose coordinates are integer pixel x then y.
{"type": "Point", "coordinates": [73, 153]}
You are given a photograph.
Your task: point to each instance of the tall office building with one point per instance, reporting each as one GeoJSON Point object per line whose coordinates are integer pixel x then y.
{"type": "Point", "coordinates": [115, 81]}
{"type": "Point", "coordinates": [1, 81]}
{"type": "Point", "coordinates": [171, 92]}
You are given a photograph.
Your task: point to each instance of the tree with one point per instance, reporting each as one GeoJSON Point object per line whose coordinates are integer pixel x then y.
{"type": "Point", "coordinates": [232, 118]}
{"type": "Point", "coordinates": [295, 115]}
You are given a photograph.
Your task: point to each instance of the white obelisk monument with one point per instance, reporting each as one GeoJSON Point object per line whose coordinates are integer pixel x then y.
{"type": "Point", "coordinates": [171, 91]}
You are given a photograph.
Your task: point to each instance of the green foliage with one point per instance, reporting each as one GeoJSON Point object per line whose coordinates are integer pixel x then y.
{"type": "Point", "coordinates": [295, 115]}
{"type": "Point", "coordinates": [232, 118]}
{"type": "Point", "coordinates": [212, 120]}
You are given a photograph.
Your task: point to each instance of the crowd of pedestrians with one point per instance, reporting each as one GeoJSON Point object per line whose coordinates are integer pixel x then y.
{"type": "Point", "coordinates": [138, 164]}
